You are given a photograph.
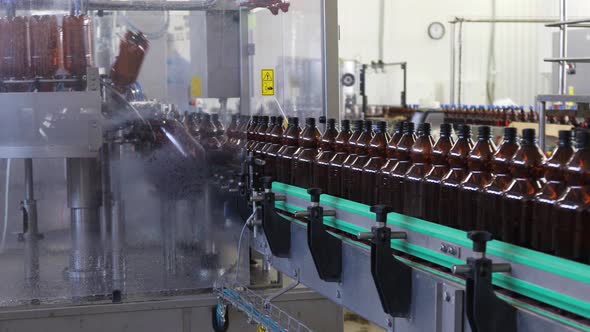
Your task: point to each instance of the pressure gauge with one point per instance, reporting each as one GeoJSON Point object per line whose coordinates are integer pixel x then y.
{"type": "Point", "coordinates": [436, 30]}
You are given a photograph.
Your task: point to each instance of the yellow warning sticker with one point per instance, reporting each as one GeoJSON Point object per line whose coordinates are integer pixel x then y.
{"type": "Point", "coordinates": [261, 328]}
{"type": "Point", "coordinates": [268, 82]}
{"type": "Point", "coordinates": [196, 87]}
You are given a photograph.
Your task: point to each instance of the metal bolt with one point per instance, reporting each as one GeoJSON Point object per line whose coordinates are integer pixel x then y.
{"type": "Point", "coordinates": [447, 297]}
{"type": "Point", "coordinates": [451, 251]}
{"type": "Point", "coordinates": [443, 248]}
{"type": "Point", "coordinates": [389, 322]}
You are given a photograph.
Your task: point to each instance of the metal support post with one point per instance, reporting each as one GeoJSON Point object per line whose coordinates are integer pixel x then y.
{"type": "Point", "coordinates": [563, 47]}
{"type": "Point", "coordinates": [84, 200]}
{"type": "Point", "coordinates": [30, 234]}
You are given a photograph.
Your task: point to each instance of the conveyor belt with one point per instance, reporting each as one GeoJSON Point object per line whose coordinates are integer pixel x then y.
{"type": "Point", "coordinates": [548, 279]}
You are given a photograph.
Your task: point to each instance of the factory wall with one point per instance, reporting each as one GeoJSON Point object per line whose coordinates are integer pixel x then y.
{"type": "Point", "coordinates": [520, 72]}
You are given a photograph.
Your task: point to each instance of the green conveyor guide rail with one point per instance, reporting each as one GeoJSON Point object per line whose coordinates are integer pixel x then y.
{"type": "Point", "coordinates": [565, 270]}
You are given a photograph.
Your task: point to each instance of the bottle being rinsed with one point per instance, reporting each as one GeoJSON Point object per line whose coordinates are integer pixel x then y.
{"type": "Point", "coordinates": [440, 167]}
{"type": "Point", "coordinates": [208, 133]}
{"type": "Point", "coordinates": [270, 150]}
{"type": "Point", "coordinates": [377, 153]}
{"type": "Point", "coordinates": [554, 186]}
{"type": "Point", "coordinates": [354, 149]}
{"type": "Point", "coordinates": [571, 218]}
{"type": "Point", "coordinates": [264, 134]}
{"type": "Point", "coordinates": [327, 151]}
{"type": "Point", "coordinates": [404, 162]}
{"type": "Point", "coordinates": [342, 148]}
{"type": "Point", "coordinates": [220, 128]}
{"type": "Point", "coordinates": [527, 169]}
{"type": "Point", "coordinates": [487, 217]}
{"type": "Point", "coordinates": [285, 154]}
{"type": "Point", "coordinates": [383, 191]}
{"type": "Point", "coordinates": [470, 195]}
{"type": "Point", "coordinates": [251, 132]}
{"type": "Point", "coordinates": [355, 173]}
{"type": "Point", "coordinates": [414, 200]}
{"type": "Point", "coordinates": [232, 131]}
{"type": "Point", "coordinates": [448, 214]}
{"type": "Point", "coordinates": [302, 161]}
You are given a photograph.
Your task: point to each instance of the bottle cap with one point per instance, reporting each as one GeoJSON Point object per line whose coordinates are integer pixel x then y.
{"type": "Point", "coordinates": [345, 125]}
{"type": "Point", "coordinates": [295, 121]}
{"type": "Point", "coordinates": [424, 129]}
{"type": "Point", "coordinates": [399, 127]}
{"type": "Point", "coordinates": [510, 134]}
{"type": "Point", "coordinates": [565, 137]}
{"type": "Point", "coordinates": [484, 133]}
{"type": "Point", "coordinates": [273, 120]}
{"type": "Point", "coordinates": [382, 126]}
{"type": "Point", "coordinates": [368, 125]}
{"type": "Point", "coordinates": [215, 116]}
{"type": "Point", "coordinates": [528, 136]}
{"type": "Point", "coordinates": [358, 125]}
{"type": "Point", "coordinates": [445, 129]}
{"type": "Point", "coordinates": [464, 131]}
{"type": "Point", "coordinates": [583, 139]}
{"type": "Point", "coordinates": [265, 119]}
{"type": "Point", "coordinates": [310, 122]}
{"type": "Point", "coordinates": [331, 124]}
{"type": "Point", "coordinates": [408, 128]}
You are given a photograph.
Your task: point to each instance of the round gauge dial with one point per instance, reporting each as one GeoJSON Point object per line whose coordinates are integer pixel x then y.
{"type": "Point", "coordinates": [436, 30]}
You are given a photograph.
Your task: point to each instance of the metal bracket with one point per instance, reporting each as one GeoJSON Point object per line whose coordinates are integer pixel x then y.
{"type": "Point", "coordinates": [450, 249]}
{"type": "Point", "coordinates": [484, 310]}
{"type": "Point", "coordinates": [325, 249]}
{"type": "Point", "coordinates": [393, 279]}
{"type": "Point", "coordinates": [276, 228]}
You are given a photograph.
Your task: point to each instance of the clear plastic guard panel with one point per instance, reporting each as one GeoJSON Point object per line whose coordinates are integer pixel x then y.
{"type": "Point", "coordinates": [145, 211]}
{"type": "Point", "coordinates": [290, 44]}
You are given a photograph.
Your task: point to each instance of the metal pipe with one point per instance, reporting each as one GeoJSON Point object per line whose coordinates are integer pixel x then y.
{"type": "Point", "coordinates": [382, 30]}
{"type": "Point", "coordinates": [562, 47]}
{"type": "Point", "coordinates": [453, 55]}
{"type": "Point", "coordinates": [542, 124]}
{"type": "Point", "coordinates": [31, 229]}
{"type": "Point", "coordinates": [150, 5]}
{"type": "Point", "coordinates": [502, 20]}
{"type": "Point", "coordinates": [86, 256]}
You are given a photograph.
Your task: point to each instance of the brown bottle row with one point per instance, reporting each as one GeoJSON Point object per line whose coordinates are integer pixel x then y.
{"type": "Point", "coordinates": [503, 116]}
{"type": "Point", "coordinates": [29, 46]}
{"type": "Point", "coordinates": [511, 191]}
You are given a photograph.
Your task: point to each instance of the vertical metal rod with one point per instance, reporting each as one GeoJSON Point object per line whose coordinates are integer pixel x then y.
{"type": "Point", "coordinates": [84, 200]}
{"type": "Point", "coordinates": [452, 83]}
{"type": "Point", "coordinates": [404, 99]}
{"type": "Point", "coordinates": [563, 47]}
{"type": "Point", "coordinates": [542, 124]}
{"type": "Point", "coordinates": [31, 229]}
{"type": "Point", "coordinates": [381, 30]}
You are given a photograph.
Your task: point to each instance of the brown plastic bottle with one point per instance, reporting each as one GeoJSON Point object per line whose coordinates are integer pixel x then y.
{"type": "Point", "coordinates": [440, 167]}
{"type": "Point", "coordinates": [302, 161]}
{"type": "Point", "coordinates": [127, 66]}
{"type": "Point", "coordinates": [448, 212]}
{"type": "Point", "coordinates": [377, 154]}
{"type": "Point", "coordinates": [251, 132]}
{"type": "Point", "coordinates": [421, 152]}
{"type": "Point", "coordinates": [350, 158]}
{"type": "Point", "coordinates": [527, 169]}
{"type": "Point", "coordinates": [470, 196]}
{"type": "Point", "coordinates": [285, 154]}
{"type": "Point", "coordinates": [404, 162]}
{"type": "Point", "coordinates": [233, 130]}
{"type": "Point", "coordinates": [263, 134]}
{"type": "Point", "coordinates": [13, 48]}
{"type": "Point", "coordinates": [355, 172]}
{"type": "Point", "coordinates": [44, 50]}
{"type": "Point", "coordinates": [270, 151]}
{"type": "Point", "coordinates": [342, 148]}
{"type": "Point", "coordinates": [259, 132]}
{"type": "Point", "coordinates": [77, 44]}
{"type": "Point", "coordinates": [321, 165]}
{"type": "Point", "coordinates": [383, 191]}
{"type": "Point", "coordinates": [208, 133]}
{"type": "Point", "coordinates": [487, 218]}
{"type": "Point", "coordinates": [543, 204]}
{"type": "Point", "coordinates": [571, 219]}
